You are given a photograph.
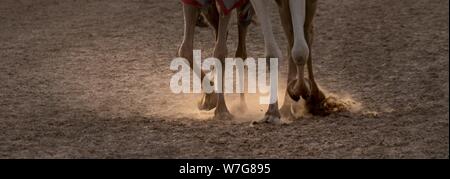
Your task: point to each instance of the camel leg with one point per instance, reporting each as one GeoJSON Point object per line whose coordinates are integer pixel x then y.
{"type": "Point", "coordinates": [187, 46]}
{"type": "Point", "coordinates": [208, 101]}
{"type": "Point", "coordinates": [300, 51]}
{"type": "Point", "coordinates": [315, 102]}
{"type": "Point", "coordinates": [220, 52]}
{"type": "Point", "coordinates": [272, 50]}
{"type": "Point", "coordinates": [211, 14]}
{"type": "Point", "coordinates": [286, 21]}
{"type": "Point", "coordinates": [241, 51]}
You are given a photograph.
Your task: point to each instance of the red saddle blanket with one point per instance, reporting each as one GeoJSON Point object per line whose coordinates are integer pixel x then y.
{"type": "Point", "coordinates": [226, 5]}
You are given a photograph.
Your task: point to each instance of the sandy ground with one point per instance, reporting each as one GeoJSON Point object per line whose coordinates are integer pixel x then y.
{"type": "Point", "coordinates": [90, 79]}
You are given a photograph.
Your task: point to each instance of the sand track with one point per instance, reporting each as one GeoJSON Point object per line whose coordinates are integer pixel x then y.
{"type": "Point", "coordinates": [89, 79]}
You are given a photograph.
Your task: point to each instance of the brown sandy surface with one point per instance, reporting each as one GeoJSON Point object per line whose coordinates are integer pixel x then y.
{"type": "Point", "coordinates": [90, 79]}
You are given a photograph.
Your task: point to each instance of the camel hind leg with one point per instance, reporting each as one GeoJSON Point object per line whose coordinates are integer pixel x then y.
{"type": "Point", "coordinates": [191, 14]}
{"type": "Point", "coordinates": [211, 16]}
{"type": "Point", "coordinates": [241, 51]}
{"type": "Point", "coordinates": [315, 103]}
{"type": "Point", "coordinates": [190, 17]}
{"type": "Point", "coordinates": [220, 52]}
{"type": "Point", "coordinates": [272, 50]}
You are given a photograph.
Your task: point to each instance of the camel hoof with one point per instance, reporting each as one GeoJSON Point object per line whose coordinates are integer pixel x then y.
{"type": "Point", "coordinates": [223, 116]}
{"type": "Point", "coordinates": [317, 105]}
{"type": "Point", "coordinates": [291, 89]}
{"type": "Point", "coordinates": [208, 102]}
{"type": "Point", "coordinates": [269, 119]}
{"type": "Point", "coordinates": [317, 109]}
{"type": "Point", "coordinates": [297, 92]}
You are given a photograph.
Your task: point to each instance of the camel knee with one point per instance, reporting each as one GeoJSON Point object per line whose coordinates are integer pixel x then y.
{"type": "Point", "coordinates": [300, 52]}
